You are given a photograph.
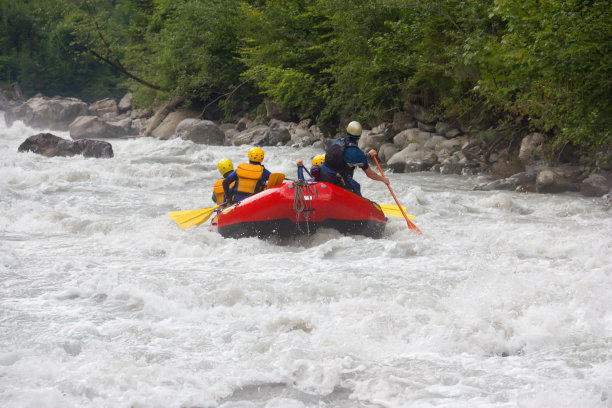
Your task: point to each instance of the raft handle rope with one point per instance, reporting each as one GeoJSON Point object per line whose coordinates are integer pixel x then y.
{"type": "Point", "coordinates": [302, 200]}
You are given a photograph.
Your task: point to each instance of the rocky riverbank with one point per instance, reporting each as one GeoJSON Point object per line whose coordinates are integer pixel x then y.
{"type": "Point", "coordinates": [411, 142]}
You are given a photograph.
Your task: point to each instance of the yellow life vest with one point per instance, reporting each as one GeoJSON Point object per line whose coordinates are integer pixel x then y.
{"type": "Point", "coordinates": [248, 176]}
{"type": "Point", "coordinates": [218, 189]}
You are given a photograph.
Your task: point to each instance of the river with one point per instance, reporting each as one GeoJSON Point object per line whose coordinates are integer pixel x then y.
{"type": "Point", "coordinates": [504, 301]}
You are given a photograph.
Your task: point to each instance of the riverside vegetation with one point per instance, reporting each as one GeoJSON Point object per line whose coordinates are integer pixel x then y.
{"type": "Point", "coordinates": [496, 71]}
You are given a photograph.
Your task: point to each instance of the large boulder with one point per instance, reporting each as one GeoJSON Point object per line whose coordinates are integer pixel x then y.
{"type": "Point", "coordinates": [168, 126]}
{"type": "Point", "coordinates": [105, 108]}
{"type": "Point", "coordinates": [524, 181]}
{"type": "Point", "coordinates": [49, 145]}
{"type": "Point", "coordinates": [279, 136]}
{"type": "Point", "coordinates": [372, 140]}
{"type": "Point", "coordinates": [386, 151]}
{"type": "Point", "coordinates": [596, 185]}
{"type": "Point", "coordinates": [200, 131]}
{"type": "Point", "coordinates": [47, 113]}
{"type": "Point", "coordinates": [448, 128]}
{"type": "Point", "coordinates": [532, 147]}
{"type": "Point", "coordinates": [412, 159]}
{"type": "Point", "coordinates": [408, 136]}
{"type": "Point", "coordinates": [442, 146]}
{"type": "Point", "coordinates": [159, 116]}
{"type": "Point", "coordinates": [303, 137]}
{"type": "Point", "coordinates": [125, 104]}
{"type": "Point", "coordinates": [551, 180]}
{"type": "Point", "coordinates": [85, 127]}
{"type": "Point", "coordinates": [262, 135]}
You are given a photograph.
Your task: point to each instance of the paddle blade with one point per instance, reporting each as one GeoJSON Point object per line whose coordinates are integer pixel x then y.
{"type": "Point", "coordinates": [275, 179]}
{"type": "Point", "coordinates": [188, 218]}
{"type": "Point", "coordinates": [177, 214]}
{"type": "Point", "coordinates": [394, 211]}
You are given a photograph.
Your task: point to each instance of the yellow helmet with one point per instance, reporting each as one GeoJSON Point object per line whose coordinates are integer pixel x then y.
{"type": "Point", "coordinates": [354, 129]}
{"type": "Point", "coordinates": [224, 166]}
{"type": "Point", "coordinates": [318, 160]}
{"type": "Point", "coordinates": [256, 154]}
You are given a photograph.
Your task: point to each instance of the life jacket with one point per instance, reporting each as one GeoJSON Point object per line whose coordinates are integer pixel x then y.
{"type": "Point", "coordinates": [218, 189]}
{"type": "Point", "coordinates": [334, 157]}
{"type": "Point", "coordinates": [248, 178]}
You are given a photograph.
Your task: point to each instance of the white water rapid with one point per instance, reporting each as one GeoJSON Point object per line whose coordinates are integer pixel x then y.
{"type": "Point", "coordinates": [104, 302]}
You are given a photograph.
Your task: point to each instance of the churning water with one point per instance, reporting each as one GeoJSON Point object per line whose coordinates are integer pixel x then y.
{"type": "Point", "coordinates": [104, 302]}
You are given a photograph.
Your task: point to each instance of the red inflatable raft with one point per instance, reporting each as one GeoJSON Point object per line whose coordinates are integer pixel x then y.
{"type": "Point", "coordinates": [295, 208]}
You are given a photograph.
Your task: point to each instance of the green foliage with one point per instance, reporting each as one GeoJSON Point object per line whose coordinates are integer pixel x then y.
{"type": "Point", "coordinates": [551, 64]}
{"type": "Point", "coordinates": [37, 54]}
{"type": "Point", "coordinates": [514, 64]}
{"type": "Point", "coordinates": [282, 52]}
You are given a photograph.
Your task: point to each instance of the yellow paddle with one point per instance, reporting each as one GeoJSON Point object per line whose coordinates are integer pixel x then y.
{"type": "Point", "coordinates": [275, 179]}
{"type": "Point", "coordinates": [188, 218]}
{"type": "Point", "coordinates": [394, 211]}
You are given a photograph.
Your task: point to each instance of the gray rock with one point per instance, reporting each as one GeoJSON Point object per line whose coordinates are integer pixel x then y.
{"type": "Point", "coordinates": [125, 104]}
{"type": "Point", "coordinates": [435, 141]}
{"type": "Point", "coordinates": [550, 181]}
{"type": "Point", "coordinates": [408, 136]}
{"type": "Point", "coordinates": [200, 131]}
{"type": "Point", "coordinates": [446, 147]}
{"type": "Point", "coordinates": [386, 151]}
{"type": "Point", "coordinates": [448, 128]}
{"type": "Point", "coordinates": [47, 113]}
{"type": "Point", "coordinates": [255, 136]}
{"type": "Point", "coordinates": [229, 136]}
{"type": "Point", "coordinates": [159, 116]}
{"type": "Point", "coordinates": [105, 108]}
{"type": "Point", "coordinates": [279, 136]}
{"type": "Point", "coordinates": [596, 185]}
{"type": "Point", "coordinates": [167, 127]}
{"type": "Point", "coordinates": [49, 145]}
{"type": "Point", "coordinates": [524, 181]}
{"type": "Point", "coordinates": [85, 127]}
{"type": "Point", "coordinates": [426, 127]}
{"type": "Point", "coordinates": [372, 140]}
{"type": "Point", "coordinates": [531, 147]}
{"type": "Point", "coordinates": [412, 159]}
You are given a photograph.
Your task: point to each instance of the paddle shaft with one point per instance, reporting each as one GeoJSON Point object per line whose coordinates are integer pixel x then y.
{"type": "Point", "coordinates": [410, 224]}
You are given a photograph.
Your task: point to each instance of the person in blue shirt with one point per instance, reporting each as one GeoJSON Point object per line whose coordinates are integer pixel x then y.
{"type": "Point", "coordinates": [343, 156]}
{"type": "Point", "coordinates": [250, 178]}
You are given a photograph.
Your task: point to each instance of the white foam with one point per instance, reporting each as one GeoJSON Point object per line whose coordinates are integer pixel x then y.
{"type": "Point", "coordinates": [107, 303]}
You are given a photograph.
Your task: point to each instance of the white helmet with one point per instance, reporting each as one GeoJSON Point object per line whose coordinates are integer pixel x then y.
{"type": "Point", "coordinates": [354, 129]}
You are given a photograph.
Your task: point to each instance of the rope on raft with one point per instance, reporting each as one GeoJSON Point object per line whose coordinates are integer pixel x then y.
{"type": "Point", "coordinates": [302, 200]}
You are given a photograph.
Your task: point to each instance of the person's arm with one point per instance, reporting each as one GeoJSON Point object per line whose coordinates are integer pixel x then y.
{"type": "Point", "coordinates": [226, 184]}
{"type": "Point", "coordinates": [372, 174]}
{"type": "Point", "coordinates": [266, 175]}
{"type": "Point", "coordinates": [300, 170]}
{"type": "Point", "coordinates": [263, 181]}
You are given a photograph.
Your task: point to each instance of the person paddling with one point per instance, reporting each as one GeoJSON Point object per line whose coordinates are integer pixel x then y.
{"type": "Point", "coordinates": [250, 178]}
{"type": "Point", "coordinates": [343, 156]}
